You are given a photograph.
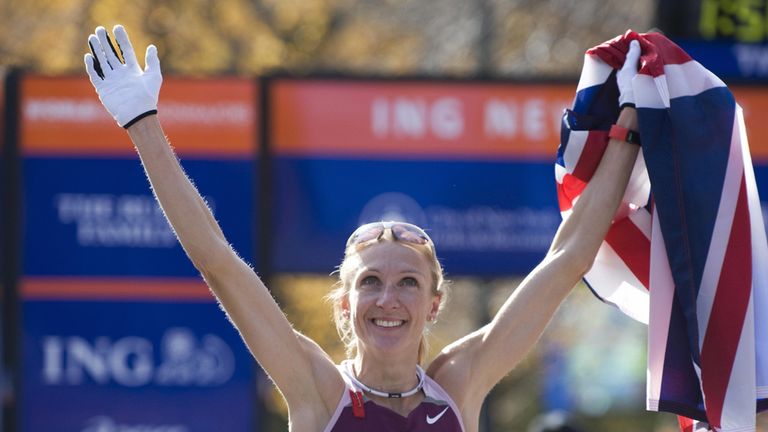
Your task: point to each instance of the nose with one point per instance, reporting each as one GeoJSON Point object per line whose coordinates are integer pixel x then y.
{"type": "Point", "coordinates": [389, 298]}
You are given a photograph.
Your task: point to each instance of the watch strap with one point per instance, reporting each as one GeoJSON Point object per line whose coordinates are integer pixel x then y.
{"type": "Point", "coordinates": [624, 134]}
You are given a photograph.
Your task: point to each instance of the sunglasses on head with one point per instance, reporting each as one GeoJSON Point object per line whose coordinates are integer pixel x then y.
{"type": "Point", "coordinates": [402, 231]}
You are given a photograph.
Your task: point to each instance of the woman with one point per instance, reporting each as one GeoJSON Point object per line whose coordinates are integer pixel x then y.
{"type": "Point", "coordinates": [390, 283]}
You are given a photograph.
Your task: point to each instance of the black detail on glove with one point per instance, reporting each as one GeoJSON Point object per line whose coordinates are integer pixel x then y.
{"type": "Point", "coordinates": [97, 64]}
{"type": "Point", "coordinates": [141, 116]}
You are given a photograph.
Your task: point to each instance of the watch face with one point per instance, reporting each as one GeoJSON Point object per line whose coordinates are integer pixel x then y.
{"type": "Point", "coordinates": [633, 137]}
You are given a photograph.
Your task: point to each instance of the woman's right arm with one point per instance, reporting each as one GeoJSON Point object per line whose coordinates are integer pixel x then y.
{"type": "Point", "coordinates": [300, 369]}
{"type": "Point", "coordinates": [288, 358]}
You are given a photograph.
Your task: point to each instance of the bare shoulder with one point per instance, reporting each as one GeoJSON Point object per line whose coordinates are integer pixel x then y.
{"type": "Point", "coordinates": [452, 369]}
{"type": "Point", "coordinates": [328, 381]}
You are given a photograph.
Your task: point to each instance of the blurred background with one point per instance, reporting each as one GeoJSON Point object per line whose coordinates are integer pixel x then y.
{"type": "Point", "coordinates": [299, 120]}
{"type": "Point", "coordinates": [387, 38]}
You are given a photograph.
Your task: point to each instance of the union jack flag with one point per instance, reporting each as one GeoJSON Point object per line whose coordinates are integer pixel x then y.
{"type": "Point", "coordinates": [687, 251]}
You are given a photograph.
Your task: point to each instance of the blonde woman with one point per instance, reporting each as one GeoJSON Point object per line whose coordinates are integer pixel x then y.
{"type": "Point", "coordinates": [391, 284]}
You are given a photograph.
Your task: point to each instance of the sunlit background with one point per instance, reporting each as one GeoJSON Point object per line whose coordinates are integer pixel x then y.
{"type": "Point", "coordinates": [509, 39]}
{"type": "Point", "coordinates": [591, 361]}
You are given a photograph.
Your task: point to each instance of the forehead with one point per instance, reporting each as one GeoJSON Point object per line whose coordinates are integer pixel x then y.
{"type": "Point", "coordinates": [392, 257]}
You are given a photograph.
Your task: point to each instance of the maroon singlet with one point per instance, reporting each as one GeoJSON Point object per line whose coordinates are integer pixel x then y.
{"type": "Point", "coordinates": [355, 412]}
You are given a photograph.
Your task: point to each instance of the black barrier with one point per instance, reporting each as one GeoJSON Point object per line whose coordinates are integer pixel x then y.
{"type": "Point", "coordinates": [10, 380]}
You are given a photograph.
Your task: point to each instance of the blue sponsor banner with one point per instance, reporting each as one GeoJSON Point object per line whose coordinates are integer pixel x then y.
{"type": "Point", "coordinates": [487, 218]}
{"type": "Point", "coordinates": [119, 333]}
{"type": "Point", "coordinates": [730, 60]}
{"type": "Point", "coordinates": [97, 216]}
{"type": "Point", "coordinates": [761, 178]}
{"type": "Point", "coordinates": [95, 366]}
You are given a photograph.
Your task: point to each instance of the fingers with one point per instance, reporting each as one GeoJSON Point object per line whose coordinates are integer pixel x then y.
{"type": "Point", "coordinates": [109, 54]}
{"type": "Point", "coordinates": [94, 60]}
{"type": "Point", "coordinates": [151, 62]}
{"type": "Point", "coordinates": [91, 67]}
{"type": "Point", "coordinates": [125, 46]}
{"type": "Point", "coordinates": [633, 55]}
{"type": "Point", "coordinates": [98, 53]}
{"type": "Point", "coordinates": [634, 50]}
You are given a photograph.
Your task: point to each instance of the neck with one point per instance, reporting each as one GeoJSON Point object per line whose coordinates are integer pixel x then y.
{"type": "Point", "coordinates": [389, 376]}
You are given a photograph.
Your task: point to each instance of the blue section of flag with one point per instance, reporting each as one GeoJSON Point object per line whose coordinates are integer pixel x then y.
{"type": "Point", "coordinates": [599, 101]}
{"type": "Point", "coordinates": [693, 135]}
{"type": "Point", "coordinates": [680, 385]}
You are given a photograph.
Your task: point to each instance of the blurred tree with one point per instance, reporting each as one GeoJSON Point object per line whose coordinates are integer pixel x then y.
{"type": "Point", "coordinates": [463, 38]}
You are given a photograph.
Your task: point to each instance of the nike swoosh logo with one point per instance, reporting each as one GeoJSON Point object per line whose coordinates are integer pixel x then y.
{"type": "Point", "coordinates": [433, 420]}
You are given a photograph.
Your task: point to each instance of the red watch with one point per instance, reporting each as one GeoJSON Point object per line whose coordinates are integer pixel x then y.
{"type": "Point", "coordinates": [623, 134]}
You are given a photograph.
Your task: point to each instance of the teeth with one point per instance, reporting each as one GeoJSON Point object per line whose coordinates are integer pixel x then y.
{"type": "Point", "coordinates": [386, 323]}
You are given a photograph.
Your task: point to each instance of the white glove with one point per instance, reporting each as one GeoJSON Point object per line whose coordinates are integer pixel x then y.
{"type": "Point", "coordinates": [626, 73]}
{"type": "Point", "coordinates": [127, 92]}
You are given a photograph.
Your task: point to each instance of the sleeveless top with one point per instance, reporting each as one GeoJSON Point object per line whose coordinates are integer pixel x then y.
{"type": "Point", "coordinates": [356, 412]}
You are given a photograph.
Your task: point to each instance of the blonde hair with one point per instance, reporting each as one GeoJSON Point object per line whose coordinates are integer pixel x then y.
{"type": "Point", "coordinates": [342, 287]}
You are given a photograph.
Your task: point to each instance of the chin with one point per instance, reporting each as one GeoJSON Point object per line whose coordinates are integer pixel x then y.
{"type": "Point", "coordinates": [391, 345]}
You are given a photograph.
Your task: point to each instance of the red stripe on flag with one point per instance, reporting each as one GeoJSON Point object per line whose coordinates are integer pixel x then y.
{"type": "Point", "coordinates": [569, 190]}
{"type": "Point", "coordinates": [633, 247]}
{"type": "Point", "coordinates": [562, 200]}
{"type": "Point", "coordinates": [728, 309]}
{"type": "Point", "coordinates": [686, 424]}
{"type": "Point", "coordinates": [657, 52]}
{"type": "Point", "coordinates": [590, 156]}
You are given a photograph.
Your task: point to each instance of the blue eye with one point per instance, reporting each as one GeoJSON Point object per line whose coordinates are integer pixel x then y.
{"type": "Point", "coordinates": [369, 281]}
{"type": "Point", "coordinates": [409, 282]}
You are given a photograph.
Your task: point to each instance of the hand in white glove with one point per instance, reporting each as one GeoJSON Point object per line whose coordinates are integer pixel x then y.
{"type": "Point", "coordinates": [127, 92]}
{"type": "Point", "coordinates": [626, 73]}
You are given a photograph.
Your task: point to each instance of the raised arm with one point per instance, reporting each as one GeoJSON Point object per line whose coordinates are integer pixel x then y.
{"type": "Point", "coordinates": [478, 361]}
{"type": "Point", "coordinates": [302, 372]}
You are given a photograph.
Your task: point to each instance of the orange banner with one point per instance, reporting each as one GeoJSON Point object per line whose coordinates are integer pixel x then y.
{"type": "Point", "coordinates": [447, 120]}
{"type": "Point", "coordinates": [63, 116]}
{"type": "Point", "coordinates": [444, 120]}
{"type": "Point", "coordinates": [348, 118]}
{"type": "Point", "coordinates": [138, 289]}
{"type": "Point", "coordinates": [754, 101]}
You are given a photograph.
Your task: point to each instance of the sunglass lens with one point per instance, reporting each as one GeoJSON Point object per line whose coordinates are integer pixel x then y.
{"type": "Point", "coordinates": [369, 234]}
{"type": "Point", "coordinates": [410, 235]}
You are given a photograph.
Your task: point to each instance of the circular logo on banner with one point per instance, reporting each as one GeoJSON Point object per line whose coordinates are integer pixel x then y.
{"type": "Point", "coordinates": [393, 206]}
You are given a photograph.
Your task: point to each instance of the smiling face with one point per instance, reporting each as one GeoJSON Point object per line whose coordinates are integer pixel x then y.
{"type": "Point", "coordinates": [390, 298]}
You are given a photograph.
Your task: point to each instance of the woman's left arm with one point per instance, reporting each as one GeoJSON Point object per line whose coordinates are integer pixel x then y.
{"type": "Point", "coordinates": [479, 360]}
{"type": "Point", "coordinates": [489, 353]}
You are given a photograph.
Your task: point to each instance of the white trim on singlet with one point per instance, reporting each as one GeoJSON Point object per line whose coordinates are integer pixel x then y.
{"type": "Point", "coordinates": [345, 400]}
{"type": "Point", "coordinates": [432, 390]}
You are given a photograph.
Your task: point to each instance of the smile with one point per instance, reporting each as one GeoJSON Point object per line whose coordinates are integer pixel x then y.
{"type": "Point", "coordinates": [388, 323]}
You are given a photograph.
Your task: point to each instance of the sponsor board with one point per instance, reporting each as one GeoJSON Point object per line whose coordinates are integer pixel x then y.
{"type": "Point", "coordinates": [88, 207]}
{"type": "Point", "coordinates": [416, 119]}
{"type": "Point", "coordinates": [470, 162]}
{"type": "Point", "coordinates": [97, 216]}
{"type": "Point", "coordinates": [117, 365]}
{"type": "Point", "coordinates": [485, 218]}
{"type": "Point", "coordinates": [119, 332]}
{"type": "Point", "coordinates": [63, 116]}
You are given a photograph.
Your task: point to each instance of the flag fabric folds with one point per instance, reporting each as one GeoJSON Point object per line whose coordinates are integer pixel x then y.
{"type": "Point", "coordinates": [687, 251]}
